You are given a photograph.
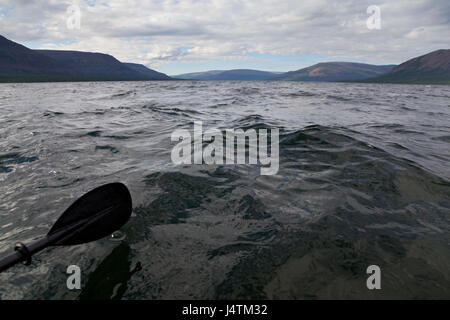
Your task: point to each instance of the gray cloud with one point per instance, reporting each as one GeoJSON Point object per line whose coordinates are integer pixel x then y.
{"type": "Point", "coordinates": [165, 31]}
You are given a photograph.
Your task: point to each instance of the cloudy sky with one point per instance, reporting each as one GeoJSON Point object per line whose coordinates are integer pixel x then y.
{"type": "Point", "coordinates": [178, 36]}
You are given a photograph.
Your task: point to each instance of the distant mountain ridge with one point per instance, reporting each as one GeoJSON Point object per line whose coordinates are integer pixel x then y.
{"type": "Point", "coordinates": [206, 75]}
{"type": "Point", "coordinates": [21, 64]}
{"type": "Point", "coordinates": [433, 67]}
{"type": "Point", "coordinates": [335, 71]}
{"type": "Point", "coordinates": [235, 74]}
{"type": "Point", "coordinates": [325, 71]}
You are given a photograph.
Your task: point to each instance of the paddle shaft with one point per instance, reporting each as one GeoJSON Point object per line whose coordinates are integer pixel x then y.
{"type": "Point", "coordinates": [17, 257]}
{"type": "Point", "coordinates": [39, 245]}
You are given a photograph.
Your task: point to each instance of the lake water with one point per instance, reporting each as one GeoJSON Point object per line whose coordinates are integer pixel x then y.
{"type": "Point", "coordinates": [363, 180]}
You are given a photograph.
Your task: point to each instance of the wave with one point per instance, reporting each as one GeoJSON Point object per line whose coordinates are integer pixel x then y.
{"type": "Point", "coordinates": [254, 121]}
{"type": "Point", "coordinates": [173, 111]}
{"type": "Point", "coordinates": [107, 147]}
{"type": "Point", "coordinates": [51, 114]}
{"type": "Point", "coordinates": [299, 93]}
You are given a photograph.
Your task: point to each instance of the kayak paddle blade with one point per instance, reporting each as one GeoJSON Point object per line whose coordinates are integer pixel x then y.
{"type": "Point", "coordinates": [95, 215]}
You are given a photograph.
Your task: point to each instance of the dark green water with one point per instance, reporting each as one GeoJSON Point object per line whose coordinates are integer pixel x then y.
{"type": "Point", "coordinates": [363, 180]}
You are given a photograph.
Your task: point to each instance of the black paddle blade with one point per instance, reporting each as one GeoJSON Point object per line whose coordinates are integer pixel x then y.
{"type": "Point", "coordinates": [95, 215]}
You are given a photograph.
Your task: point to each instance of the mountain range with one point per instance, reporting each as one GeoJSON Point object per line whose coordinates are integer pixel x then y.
{"type": "Point", "coordinates": [21, 64]}
{"type": "Point", "coordinates": [433, 67]}
{"type": "Point", "coordinates": [327, 71]}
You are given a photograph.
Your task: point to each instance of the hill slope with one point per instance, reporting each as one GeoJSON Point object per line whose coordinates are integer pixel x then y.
{"type": "Point", "coordinates": [433, 67]}
{"type": "Point", "coordinates": [335, 71]}
{"type": "Point", "coordinates": [146, 71]}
